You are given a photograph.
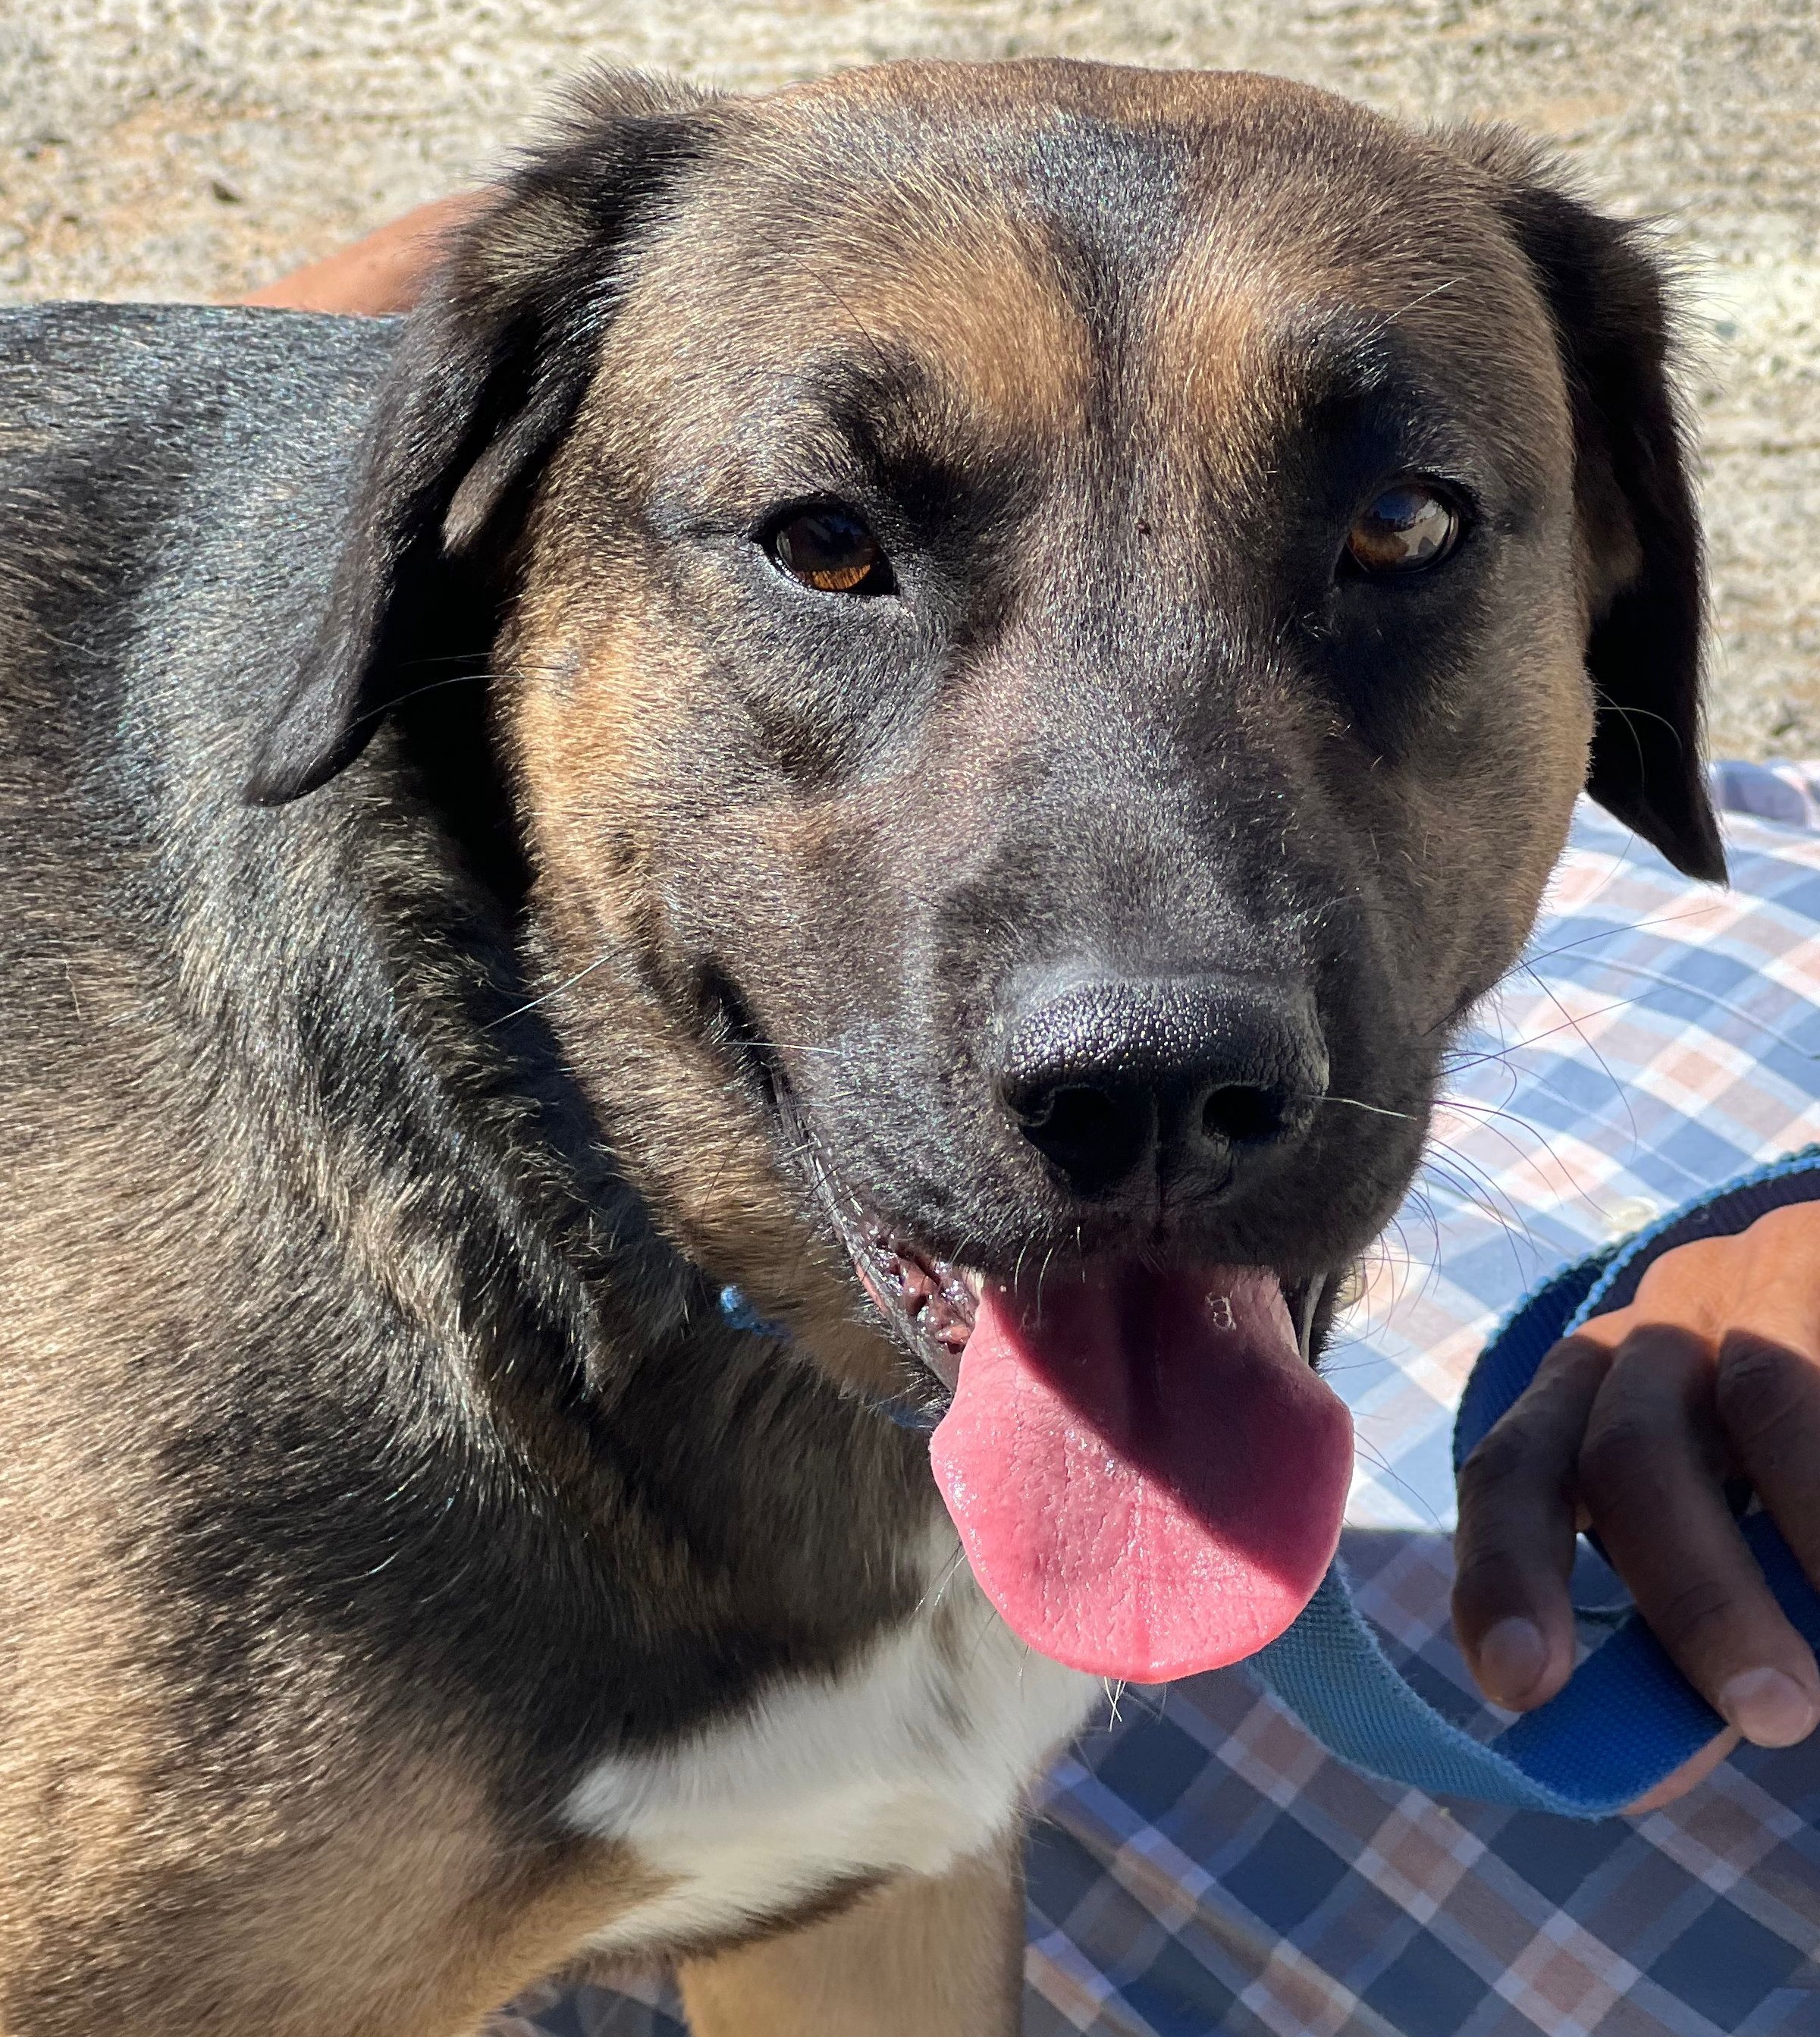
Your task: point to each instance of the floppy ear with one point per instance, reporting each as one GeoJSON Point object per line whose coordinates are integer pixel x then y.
{"type": "Point", "coordinates": [1639, 532]}
{"type": "Point", "coordinates": [490, 371]}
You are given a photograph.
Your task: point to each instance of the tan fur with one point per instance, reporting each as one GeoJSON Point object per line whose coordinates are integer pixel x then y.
{"type": "Point", "coordinates": [592, 694]}
{"type": "Point", "coordinates": [926, 1957]}
{"type": "Point", "coordinates": [313, 1923]}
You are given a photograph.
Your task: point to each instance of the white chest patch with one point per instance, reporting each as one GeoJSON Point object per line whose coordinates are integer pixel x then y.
{"type": "Point", "coordinates": [919, 1754]}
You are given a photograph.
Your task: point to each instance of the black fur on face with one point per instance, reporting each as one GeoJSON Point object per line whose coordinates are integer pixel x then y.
{"type": "Point", "coordinates": [1098, 858]}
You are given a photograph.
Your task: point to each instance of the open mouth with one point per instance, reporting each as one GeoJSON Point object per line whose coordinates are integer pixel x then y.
{"type": "Point", "coordinates": [1147, 1474]}
{"type": "Point", "coordinates": [930, 1304]}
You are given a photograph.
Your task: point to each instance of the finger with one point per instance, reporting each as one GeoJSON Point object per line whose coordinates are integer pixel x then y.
{"type": "Point", "coordinates": [1767, 1389]}
{"type": "Point", "coordinates": [1514, 1546]}
{"type": "Point", "coordinates": [1650, 1473]}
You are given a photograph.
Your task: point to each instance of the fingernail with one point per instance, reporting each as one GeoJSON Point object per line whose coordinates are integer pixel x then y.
{"type": "Point", "coordinates": [1768, 1708]}
{"type": "Point", "coordinates": [1511, 1658]}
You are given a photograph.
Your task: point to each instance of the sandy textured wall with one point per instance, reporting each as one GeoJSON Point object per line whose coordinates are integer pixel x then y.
{"type": "Point", "coordinates": [165, 150]}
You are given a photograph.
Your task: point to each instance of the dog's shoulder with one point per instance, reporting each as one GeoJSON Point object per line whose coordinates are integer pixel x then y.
{"type": "Point", "coordinates": [116, 418]}
{"type": "Point", "coordinates": [165, 471]}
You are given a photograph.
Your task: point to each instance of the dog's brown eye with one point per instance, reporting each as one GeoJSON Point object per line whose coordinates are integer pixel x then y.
{"type": "Point", "coordinates": [831, 550]}
{"type": "Point", "coordinates": [1407, 527]}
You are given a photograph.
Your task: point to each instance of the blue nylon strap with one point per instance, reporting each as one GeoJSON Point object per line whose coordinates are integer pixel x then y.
{"type": "Point", "coordinates": [1626, 1718]}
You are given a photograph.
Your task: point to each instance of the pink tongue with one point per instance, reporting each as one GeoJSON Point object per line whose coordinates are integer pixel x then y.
{"type": "Point", "coordinates": [1147, 1477]}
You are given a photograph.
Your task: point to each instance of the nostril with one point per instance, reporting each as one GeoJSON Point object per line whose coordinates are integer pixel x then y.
{"type": "Point", "coordinates": [1077, 1116]}
{"type": "Point", "coordinates": [1095, 1136]}
{"type": "Point", "coordinates": [1240, 1114]}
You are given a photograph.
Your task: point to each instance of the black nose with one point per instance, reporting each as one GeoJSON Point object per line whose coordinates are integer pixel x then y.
{"type": "Point", "coordinates": [1185, 1074]}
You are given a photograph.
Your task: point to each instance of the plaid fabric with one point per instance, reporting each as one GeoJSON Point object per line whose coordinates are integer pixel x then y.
{"type": "Point", "coordinates": [1202, 1865]}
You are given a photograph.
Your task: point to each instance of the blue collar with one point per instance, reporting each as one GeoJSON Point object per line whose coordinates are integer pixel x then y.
{"type": "Point", "coordinates": [900, 1409]}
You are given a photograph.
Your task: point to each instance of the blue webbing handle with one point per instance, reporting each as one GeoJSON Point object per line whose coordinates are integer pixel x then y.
{"type": "Point", "coordinates": [1626, 1717]}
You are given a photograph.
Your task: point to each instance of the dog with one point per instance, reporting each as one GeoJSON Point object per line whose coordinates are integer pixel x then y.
{"type": "Point", "coordinates": [854, 784]}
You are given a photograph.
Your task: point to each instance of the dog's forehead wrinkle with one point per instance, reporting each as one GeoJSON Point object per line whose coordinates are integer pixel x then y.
{"type": "Point", "coordinates": [990, 351]}
{"type": "Point", "coordinates": [894, 411]}
{"type": "Point", "coordinates": [1112, 200]}
{"type": "Point", "coordinates": [1260, 357]}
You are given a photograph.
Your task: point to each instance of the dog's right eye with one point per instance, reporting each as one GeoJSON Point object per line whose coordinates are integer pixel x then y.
{"type": "Point", "coordinates": [832, 551]}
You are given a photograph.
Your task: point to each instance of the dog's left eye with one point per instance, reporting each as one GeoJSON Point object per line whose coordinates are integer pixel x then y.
{"type": "Point", "coordinates": [832, 551]}
{"type": "Point", "coordinates": [1408, 527]}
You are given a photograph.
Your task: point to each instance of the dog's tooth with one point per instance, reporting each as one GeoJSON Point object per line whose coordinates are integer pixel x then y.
{"type": "Point", "coordinates": [915, 1287]}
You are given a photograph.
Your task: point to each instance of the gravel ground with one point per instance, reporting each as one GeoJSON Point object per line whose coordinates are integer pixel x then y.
{"type": "Point", "coordinates": [195, 148]}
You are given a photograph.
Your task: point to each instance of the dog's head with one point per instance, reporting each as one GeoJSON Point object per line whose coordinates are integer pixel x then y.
{"type": "Point", "coordinates": [1051, 620]}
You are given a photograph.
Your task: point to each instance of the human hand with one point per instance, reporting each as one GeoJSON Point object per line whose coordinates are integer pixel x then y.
{"type": "Point", "coordinates": [1632, 1426]}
